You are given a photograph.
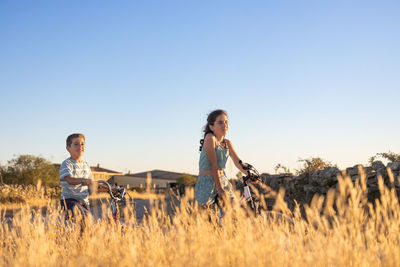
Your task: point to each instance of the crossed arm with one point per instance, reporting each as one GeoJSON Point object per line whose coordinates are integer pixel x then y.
{"type": "Point", "coordinates": [89, 182]}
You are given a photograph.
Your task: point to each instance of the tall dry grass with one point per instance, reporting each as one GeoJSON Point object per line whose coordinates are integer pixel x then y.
{"type": "Point", "coordinates": [341, 230]}
{"type": "Point", "coordinates": [12, 195]}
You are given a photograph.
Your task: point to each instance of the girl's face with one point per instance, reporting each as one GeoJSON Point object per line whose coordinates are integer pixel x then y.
{"type": "Point", "coordinates": [220, 127]}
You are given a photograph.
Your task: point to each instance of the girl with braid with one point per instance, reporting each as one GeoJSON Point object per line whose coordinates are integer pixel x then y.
{"type": "Point", "coordinates": [215, 150]}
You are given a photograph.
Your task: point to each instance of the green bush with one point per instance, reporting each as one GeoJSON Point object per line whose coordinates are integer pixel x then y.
{"type": "Point", "coordinates": [281, 169]}
{"type": "Point", "coordinates": [390, 156]}
{"type": "Point", "coordinates": [29, 170]}
{"type": "Point", "coordinates": [187, 180]}
{"type": "Point", "coordinates": [313, 164]}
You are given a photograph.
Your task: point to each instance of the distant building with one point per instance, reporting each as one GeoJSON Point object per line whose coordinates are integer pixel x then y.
{"type": "Point", "coordinates": [158, 179]}
{"type": "Point", "coordinates": [98, 172]}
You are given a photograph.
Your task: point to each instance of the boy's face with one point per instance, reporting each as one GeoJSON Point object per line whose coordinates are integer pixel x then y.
{"type": "Point", "coordinates": [77, 148]}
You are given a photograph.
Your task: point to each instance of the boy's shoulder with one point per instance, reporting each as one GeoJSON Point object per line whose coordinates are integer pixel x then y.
{"type": "Point", "coordinates": [67, 162]}
{"type": "Point", "coordinates": [70, 161]}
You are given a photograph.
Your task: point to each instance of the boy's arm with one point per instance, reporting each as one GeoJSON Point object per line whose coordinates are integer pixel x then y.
{"type": "Point", "coordinates": [89, 182]}
{"type": "Point", "coordinates": [66, 174]}
{"type": "Point", "coordinates": [75, 180]}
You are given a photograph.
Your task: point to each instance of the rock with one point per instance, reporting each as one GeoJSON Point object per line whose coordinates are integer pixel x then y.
{"type": "Point", "coordinates": [323, 190]}
{"type": "Point", "coordinates": [308, 188]}
{"type": "Point", "coordinates": [291, 186]}
{"type": "Point", "coordinates": [368, 170]}
{"type": "Point", "coordinates": [371, 175]}
{"type": "Point", "coordinates": [314, 178]}
{"type": "Point", "coordinates": [332, 172]}
{"type": "Point", "coordinates": [302, 177]}
{"type": "Point", "coordinates": [376, 165]}
{"type": "Point", "coordinates": [372, 181]}
{"type": "Point", "coordinates": [351, 171]}
{"type": "Point", "coordinates": [328, 181]}
{"type": "Point", "coordinates": [394, 166]}
{"type": "Point", "coordinates": [302, 188]}
{"type": "Point", "coordinates": [382, 172]}
{"type": "Point", "coordinates": [325, 177]}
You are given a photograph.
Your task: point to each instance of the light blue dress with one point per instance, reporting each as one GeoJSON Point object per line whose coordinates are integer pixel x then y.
{"type": "Point", "coordinates": [205, 189]}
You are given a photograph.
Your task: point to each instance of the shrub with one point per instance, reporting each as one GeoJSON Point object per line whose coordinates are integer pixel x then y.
{"type": "Point", "coordinates": [187, 180]}
{"type": "Point", "coordinates": [313, 164]}
{"type": "Point", "coordinates": [281, 169]}
{"type": "Point", "coordinates": [29, 169]}
{"type": "Point", "coordinates": [24, 193]}
{"type": "Point", "coordinates": [390, 156]}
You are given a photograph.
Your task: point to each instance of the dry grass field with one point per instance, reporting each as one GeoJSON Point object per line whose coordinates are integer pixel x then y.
{"type": "Point", "coordinates": [341, 230]}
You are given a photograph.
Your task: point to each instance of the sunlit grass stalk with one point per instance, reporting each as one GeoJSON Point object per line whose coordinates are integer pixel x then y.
{"type": "Point", "coordinates": [340, 229]}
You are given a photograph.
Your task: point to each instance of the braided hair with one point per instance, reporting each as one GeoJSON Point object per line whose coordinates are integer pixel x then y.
{"type": "Point", "coordinates": [212, 117]}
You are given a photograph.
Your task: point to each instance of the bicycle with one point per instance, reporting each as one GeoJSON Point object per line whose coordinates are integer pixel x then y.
{"type": "Point", "coordinates": [248, 197]}
{"type": "Point", "coordinates": [117, 195]}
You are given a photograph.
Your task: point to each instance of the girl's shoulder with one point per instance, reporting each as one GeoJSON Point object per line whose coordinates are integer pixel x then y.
{"type": "Point", "coordinates": [210, 140]}
{"type": "Point", "coordinates": [209, 137]}
{"type": "Point", "coordinates": [227, 143]}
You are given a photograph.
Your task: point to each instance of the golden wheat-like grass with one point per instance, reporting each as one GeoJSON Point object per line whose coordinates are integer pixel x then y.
{"type": "Point", "coordinates": [341, 230]}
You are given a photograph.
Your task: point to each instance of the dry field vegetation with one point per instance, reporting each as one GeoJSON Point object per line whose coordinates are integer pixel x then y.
{"type": "Point", "coordinates": [341, 230]}
{"type": "Point", "coordinates": [12, 196]}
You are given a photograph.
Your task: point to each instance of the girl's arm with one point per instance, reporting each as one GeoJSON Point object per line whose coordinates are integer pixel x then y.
{"type": "Point", "coordinates": [235, 157]}
{"type": "Point", "coordinates": [209, 146]}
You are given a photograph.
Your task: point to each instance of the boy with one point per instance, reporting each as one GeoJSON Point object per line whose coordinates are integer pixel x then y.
{"type": "Point", "coordinates": [76, 177]}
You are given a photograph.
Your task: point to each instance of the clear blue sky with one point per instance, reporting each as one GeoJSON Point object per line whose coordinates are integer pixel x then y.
{"type": "Point", "coordinates": [298, 79]}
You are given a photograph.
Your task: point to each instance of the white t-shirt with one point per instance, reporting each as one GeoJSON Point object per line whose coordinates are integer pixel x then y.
{"type": "Point", "coordinates": [74, 169]}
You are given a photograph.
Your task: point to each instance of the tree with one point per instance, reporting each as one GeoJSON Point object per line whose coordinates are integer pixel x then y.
{"type": "Point", "coordinates": [1, 174]}
{"type": "Point", "coordinates": [390, 156]}
{"type": "Point", "coordinates": [29, 169]}
{"type": "Point", "coordinates": [313, 164]}
{"type": "Point", "coordinates": [280, 167]}
{"type": "Point", "coordinates": [187, 180]}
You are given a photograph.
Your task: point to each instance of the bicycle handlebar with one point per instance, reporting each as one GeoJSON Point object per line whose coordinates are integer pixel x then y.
{"type": "Point", "coordinates": [252, 175]}
{"type": "Point", "coordinates": [245, 166]}
{"type": "Point", "coordinates": [120, 192]}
